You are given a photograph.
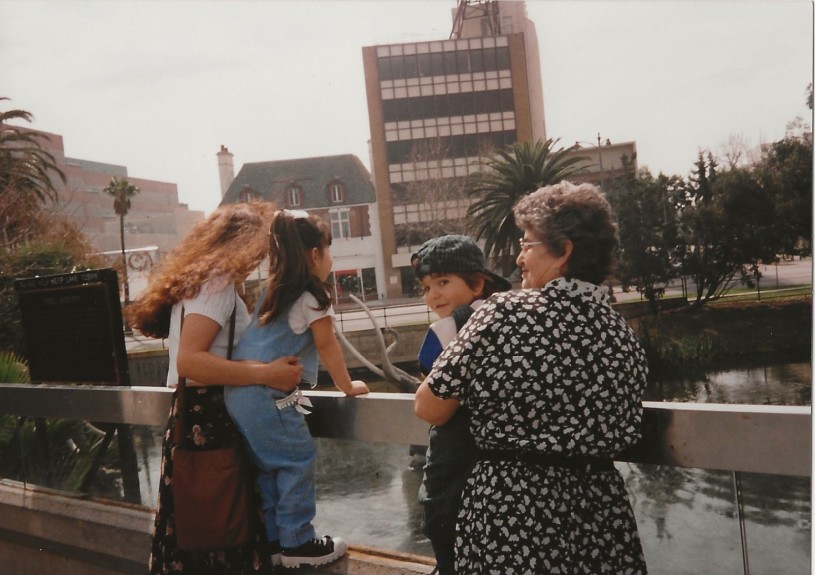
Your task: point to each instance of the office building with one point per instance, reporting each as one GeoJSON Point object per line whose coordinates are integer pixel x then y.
{"type": "Point", "coordinates": [156, 222]}
{"type": "Point", "coordinates": [434, 108]}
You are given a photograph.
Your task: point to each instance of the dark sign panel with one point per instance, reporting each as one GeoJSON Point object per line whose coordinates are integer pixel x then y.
{"type": "Point", "coordinates": [73, 328]}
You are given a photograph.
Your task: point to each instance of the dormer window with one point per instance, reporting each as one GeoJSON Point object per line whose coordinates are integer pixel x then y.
{"type": "Point", "coordinates": [248, 195]}
{"type": "Point", "coordinates": [295, 196]}
{"type": "Point", "coordinates": [336, 192]}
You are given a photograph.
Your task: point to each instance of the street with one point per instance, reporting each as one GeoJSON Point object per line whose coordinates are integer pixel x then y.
{"type": "Point", "coordinates": [785, 273]}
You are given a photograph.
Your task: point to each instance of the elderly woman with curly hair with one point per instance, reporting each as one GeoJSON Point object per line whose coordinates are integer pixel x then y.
{"type": "Point", "coordinates": [553, 378]}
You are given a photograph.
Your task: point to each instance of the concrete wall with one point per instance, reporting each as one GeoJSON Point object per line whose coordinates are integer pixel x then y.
{"type": "Point", "coordinates": [150, 367]}
{"type": "Point", "coordinates": [44, 532]}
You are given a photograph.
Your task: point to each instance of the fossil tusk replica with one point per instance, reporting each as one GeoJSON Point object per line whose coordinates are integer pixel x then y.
{"type": "Point", "coordinates": [401, 379]}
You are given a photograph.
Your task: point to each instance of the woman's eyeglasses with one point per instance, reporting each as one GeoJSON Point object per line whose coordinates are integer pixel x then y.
{"type": "Point", "coordinates": [525, 245]}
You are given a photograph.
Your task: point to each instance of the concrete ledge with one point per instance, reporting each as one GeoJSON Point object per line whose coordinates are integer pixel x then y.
{"type": "Point", "coordinates": [59, 533]}
{"type": "Point", "coordinates": [44, 531]}
{"type": "Point", "coordinates": [362, 560]}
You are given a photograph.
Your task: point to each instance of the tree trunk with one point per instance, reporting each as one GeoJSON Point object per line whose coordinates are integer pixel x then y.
{"type": "Point", "coordinates": [124, 259]}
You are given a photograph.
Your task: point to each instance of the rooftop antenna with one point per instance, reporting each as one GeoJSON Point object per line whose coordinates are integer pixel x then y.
{"type": "Point", "coordinates": [487, 10]}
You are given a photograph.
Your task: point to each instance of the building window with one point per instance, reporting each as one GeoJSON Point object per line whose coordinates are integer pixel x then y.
{"type": "Point", "coordinates": [347, 282]}
{"type": "Point", "coordinates": [295, 196]}
{"type": "Point", "coordinates": [248, 195]}
{"type": "Point", "coordinates": [456, 146]}
{"type": "Point", "coordinates": [444, 105]}
{"type": "Point", "coordinates": [336, 193]}
{"type": "Point", "coordinates": [444, 63]}
{"type": "Point", "coordinates": [340, 224]}
{"type": "Point", "coordinates": [369, 284]}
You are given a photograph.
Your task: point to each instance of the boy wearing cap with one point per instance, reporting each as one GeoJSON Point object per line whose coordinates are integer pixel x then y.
{"type": "Point", "coordinates": [454, 280]}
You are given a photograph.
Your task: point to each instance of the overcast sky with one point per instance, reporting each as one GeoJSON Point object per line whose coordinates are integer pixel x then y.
{"type": "Point", "coordinates": [159, 86]}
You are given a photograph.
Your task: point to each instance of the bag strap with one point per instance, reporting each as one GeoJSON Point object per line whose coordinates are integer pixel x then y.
{"type": "Point", "coordinates": [181, 388]}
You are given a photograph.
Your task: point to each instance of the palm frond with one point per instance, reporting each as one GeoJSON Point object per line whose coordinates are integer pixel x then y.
{"type": "Point", "coordinates": [507, 175]}
{"type": "Point", "coordinates": [13, 368]}
{"type": "Point", "coordinates": [121, 190]}
{"type": "Point", "coordinates": [25, 166]}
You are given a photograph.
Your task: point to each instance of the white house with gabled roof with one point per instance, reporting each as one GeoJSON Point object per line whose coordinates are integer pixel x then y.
{"type": "Point", "coordinates": [338, 189]}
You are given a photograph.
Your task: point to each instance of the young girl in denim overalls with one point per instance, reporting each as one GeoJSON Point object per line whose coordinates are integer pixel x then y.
{"type": "Point", "coordinates": [294, 317]}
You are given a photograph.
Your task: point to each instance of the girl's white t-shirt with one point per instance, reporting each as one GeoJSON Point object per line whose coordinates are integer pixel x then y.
{"type": "Point", "coordinates": [215, 301]}
{"type": "Point", "coordinates": [303, 313]}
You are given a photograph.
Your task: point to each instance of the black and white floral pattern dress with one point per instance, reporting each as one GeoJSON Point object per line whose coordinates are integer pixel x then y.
{"type": "Point", "coordinates": [546, 371]}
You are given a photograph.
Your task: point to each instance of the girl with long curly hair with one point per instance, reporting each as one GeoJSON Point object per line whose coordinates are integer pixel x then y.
{"type": "Point", "coordinates": [198, 283]}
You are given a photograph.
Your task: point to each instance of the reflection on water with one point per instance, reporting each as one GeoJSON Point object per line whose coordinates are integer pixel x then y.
{"type": "Point", "coordinates": [687, 517]}
{"type": "Point", "coordinates": [783, 384]}
{"type": "Point", "coordinates": [688, 521]}
{"type": "Point", "coordinates": [367, 493]}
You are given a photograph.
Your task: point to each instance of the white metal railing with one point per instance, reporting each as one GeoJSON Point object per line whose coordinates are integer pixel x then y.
{"type": "Point", "coordinates": [352, 319]}
{"type": "Point", "coordinates": [749, 438]}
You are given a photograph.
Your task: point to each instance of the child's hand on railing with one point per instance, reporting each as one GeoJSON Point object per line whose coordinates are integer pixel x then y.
{"type": "Point", "coordinates": [357, 388]}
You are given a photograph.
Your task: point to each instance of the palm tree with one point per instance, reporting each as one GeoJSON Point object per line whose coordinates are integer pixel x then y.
{"type": "Point", "coordinates": [508, 175]}
{"type": "Point", "coordinates": [25, 168]}
{"type": "Point", "coordinates": [122, 191]}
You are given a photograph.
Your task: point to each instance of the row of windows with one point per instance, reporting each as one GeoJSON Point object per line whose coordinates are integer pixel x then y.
{"type": "Point", "coordinates": [460, 146]}
{"type": "Point", "coordinates": [406, 173]}
{"type": "Point", "coordinates": [294, 194]}
{"type": "Point", "coordinates": [480, 124]}
{"type": "Point", "coordinates": [403, 193]}
{"type": "Point", "coordinates": [410, 235]}
{"type": "Point", "coordinates": [443, 63]}
{"type": "Point", "coordinates": [447, 105]}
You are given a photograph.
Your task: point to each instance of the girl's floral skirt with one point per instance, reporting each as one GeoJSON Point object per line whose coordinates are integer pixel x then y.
{"type": "Point", "coordinates": [208, 426]}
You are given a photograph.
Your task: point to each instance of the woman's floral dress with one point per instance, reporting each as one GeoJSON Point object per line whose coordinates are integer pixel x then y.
{"type": "Point", "coordinates": [546, 371]}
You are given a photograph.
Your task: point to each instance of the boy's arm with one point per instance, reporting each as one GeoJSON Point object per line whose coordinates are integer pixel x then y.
{"type": "Point", "coordinates": [328, 347]}
{"type": "Point", "coordinates": [461, 314]}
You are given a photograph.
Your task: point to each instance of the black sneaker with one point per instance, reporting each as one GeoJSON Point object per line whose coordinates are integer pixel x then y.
{"type": "Point", "coordinates": [315, 552]}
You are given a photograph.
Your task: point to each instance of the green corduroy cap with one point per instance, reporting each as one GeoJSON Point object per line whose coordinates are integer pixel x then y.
{"type": "Point", "coordinates": [454, 254]}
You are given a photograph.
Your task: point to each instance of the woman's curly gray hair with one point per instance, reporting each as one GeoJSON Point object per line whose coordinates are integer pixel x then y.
{"type": "Point", "coordinates": [580, 213]}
